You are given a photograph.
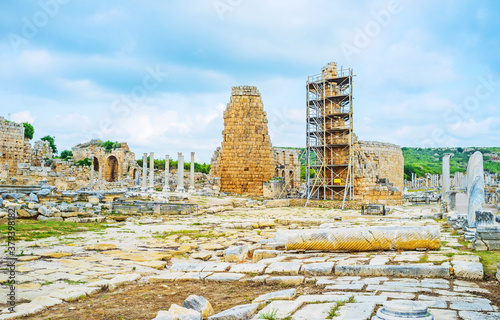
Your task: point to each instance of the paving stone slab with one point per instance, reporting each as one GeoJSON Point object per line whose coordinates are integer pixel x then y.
{"type": "Point", "coordinates": [470, 289]}
{"type": "Point", "coordinates": [284, 268]}
{"type": "Point", "coordinates": [187, 267]}
{"type": "Point", "coordinates": [396, 288]}
{"type": "Point", "coordinates": [398, 295]}
{"type": "Point", "coordinates": [353, 286]}
{"type": "Point", "coordinates": [317, 269]}
{"type": "Point", "coordinates": [242, 312]}
{"type": "Point", "coordinates": [468, 306]}
{"type": "Point", "coordinates": [394, 270]}
{"type": "Point", "coordinates": [419, 284]}
{"type": "Point", "coordinates": [248, 268]}
{"type": "Point", "coordinates": [194, 276]}
{"type": "Point", "coordinates": [439, 314]}
{"type": "Point", "coordinates": [358, 311]}
{"type": "Point", "coordinates": [471, 315]}
{"type": "Point", "coordinates": [317, 298]}
{"type": "Point", "coordinates": [314, 312]}
{"type": "Point", "coordinates": [277, 295]}
{"type": "Point", "coordinates": [455, 298]}
{"type": "Point", "coordinates": [166, 277]}
{"type": "Point", "coordinates": [223, 277]}
{"type": "Point", "coordinates": [217, 267]}
{"type": "Point", "coordinates": [286, 280]}
{"type": "Point", "coordinates": [468, 270]}
{"type": "Point", "coordinates": [280, 309]}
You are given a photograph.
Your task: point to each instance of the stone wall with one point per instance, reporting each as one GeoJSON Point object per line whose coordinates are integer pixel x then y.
{"type": "Point", "coordinates": [116, 165]}
{"type": "Point", "coordinates": [14, 148]}
{"type": "Point", "coordinates": [378, 171]}
{"type": "Point", "coordinates": [246, 156]}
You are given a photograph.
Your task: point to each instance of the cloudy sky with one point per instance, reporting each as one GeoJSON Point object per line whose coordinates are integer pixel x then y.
{"type": "Point", "coordinates": [158, 74]}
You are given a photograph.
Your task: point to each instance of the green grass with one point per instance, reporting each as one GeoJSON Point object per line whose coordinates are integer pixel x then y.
{"type": "Point", "coordinates": [33, 229]}
{"type": "Point", "coordinates": [271, 315]}
{"type": "Point", "coordinates": [490, 260]}
{"type": "Point", "coordinates": [424, 259]}
{"type": "Point", "coordinates": [333, 311]}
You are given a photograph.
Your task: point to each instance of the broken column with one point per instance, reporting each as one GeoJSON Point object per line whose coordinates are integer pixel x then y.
{"type": "Point", "coordinates": [180, 173]}
{"type": "Point", "coordinates": [144, 169]}
{"type": "Point", "coordinates": [91, 171]}
{"type": "Point", "coordinates": [475, 187]}
{"type": "Point", "coordinates": [361, 239]}
{"type": "Point", "coordinates": [487, 232]}
{"type": "Point", "coordinates": [166, 186]}
{"type": "Point", "coordinates": [446, 177]}
{"type": "Point", "coordinates": [191, 174]}
{"type": "Point", "coordinates": [100, 177]}
{"type": "Point", "coordinates": [152, 170]}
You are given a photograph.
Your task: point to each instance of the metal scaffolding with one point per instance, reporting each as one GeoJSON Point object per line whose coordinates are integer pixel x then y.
{"type": "Point", "coordinates": [329, 134]}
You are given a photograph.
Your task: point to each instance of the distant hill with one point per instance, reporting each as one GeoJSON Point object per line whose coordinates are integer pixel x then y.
{"type": "Point", "coordinates": [429, 160]}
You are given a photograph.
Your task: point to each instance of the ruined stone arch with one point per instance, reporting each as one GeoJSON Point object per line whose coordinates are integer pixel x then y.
{"type": "Point", "coordinates": [111, 174]}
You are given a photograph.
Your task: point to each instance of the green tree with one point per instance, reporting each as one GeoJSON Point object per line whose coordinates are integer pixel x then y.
{"type": "Point", "coordinates": [29, 131]}
{"type": "Point", "coordinates": [52, 143]}
{"type": "Point", "coordinates": [66, 154]}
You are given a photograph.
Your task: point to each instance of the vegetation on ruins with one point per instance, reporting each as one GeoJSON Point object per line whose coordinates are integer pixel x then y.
{"type": "Point", "coordinates": [429, 160]}
{"type": "Point", "coordinates": [29, 131]}
{"type": "Point", "coordinates": [65, 154]}
{"type": "Point", "coordinates": [109, 146]}
{"type": "Point", "coordinates": [160, 165]}
{"type": "Point", "coordinates": [87, 162]}
{"type": "Point", "coordinates": [52, 143]}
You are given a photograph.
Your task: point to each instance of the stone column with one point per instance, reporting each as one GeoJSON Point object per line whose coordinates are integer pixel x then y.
{"type": "Point", "coordinates": [446, 177]}
{"type": "Point", "coordinates": [144, 168]}
{"type": "Point", "coordinates": [166, 186]}
{"type": "Point", "coordinates": [152, 169]}
{"type": "Point", "coordinates": [137, 178]}
{"type": "Point", "coordinates": [180, 173]}
{"type": "Point", "coordinates": [100, 177]}
{"type": "Point", "coordinates": [191, 174]}
{"type": "Point", "coordinates": [91, 171]}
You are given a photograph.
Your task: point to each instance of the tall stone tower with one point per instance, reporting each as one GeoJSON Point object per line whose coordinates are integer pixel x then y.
{"type": "Point", "coordinates": [246, 157]}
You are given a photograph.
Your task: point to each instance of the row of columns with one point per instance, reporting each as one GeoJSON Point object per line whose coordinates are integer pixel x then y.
{"type": "Point", "coordinates": [180, 172]}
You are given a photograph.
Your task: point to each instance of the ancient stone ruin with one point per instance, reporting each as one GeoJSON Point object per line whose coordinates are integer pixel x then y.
{"type": "Point", "coordinates": [114, 165]}
{"type": "Point", "coordinates": [246, 157]}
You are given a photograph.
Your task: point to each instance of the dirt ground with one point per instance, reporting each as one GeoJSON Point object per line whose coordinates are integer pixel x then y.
{"type": "Point", "coordinates": [142, 302]}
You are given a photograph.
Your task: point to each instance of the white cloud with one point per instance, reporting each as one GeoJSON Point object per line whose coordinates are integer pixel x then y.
{"type": "Point", "coordinates": [23, 116]}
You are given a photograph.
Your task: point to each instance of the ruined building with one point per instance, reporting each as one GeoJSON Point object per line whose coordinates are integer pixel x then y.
{"type": "Point", "coordinates": [246, 158]}
{"type": "Point", "coordinates": [116, 164]}
{"type": "Point", "coordinates": [16, 149]}
{"type": "Point", "coordinates": [288, 166]}
{"type": "Point", "coordinates": [343, 167]}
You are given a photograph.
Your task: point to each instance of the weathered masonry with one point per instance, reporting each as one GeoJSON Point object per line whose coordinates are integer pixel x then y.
{"type": "Point", "coordinates": [115, 165]}
{"type": "Point", "coordinates": [246, 158]}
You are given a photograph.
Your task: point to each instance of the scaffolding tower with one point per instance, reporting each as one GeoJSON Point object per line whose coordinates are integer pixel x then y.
{"type": "Point", "coordinates": [329, 134]}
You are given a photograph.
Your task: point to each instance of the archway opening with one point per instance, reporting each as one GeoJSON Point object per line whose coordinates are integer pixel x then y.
{"type": "Point", "coordinates": [291, 180]}
{"type": "Point", "coordinates": [111, 169]}
{"type": "Point", "coordinates": [96, 164]}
